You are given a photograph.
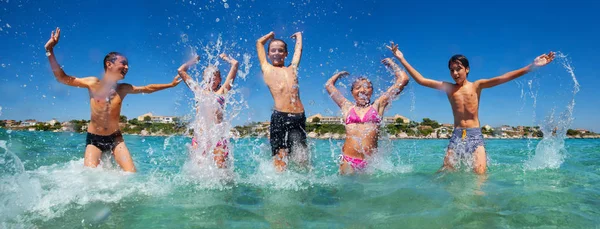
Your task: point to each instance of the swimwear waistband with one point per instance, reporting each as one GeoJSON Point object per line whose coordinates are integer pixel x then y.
{"type": "Point", "coordinates": [289, 114]}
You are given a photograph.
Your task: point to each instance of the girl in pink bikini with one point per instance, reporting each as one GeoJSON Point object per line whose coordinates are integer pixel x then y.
{"type": "Point", "coordinates": [362, 118]}
{"type": "Point", "coordinates": [214, 88]}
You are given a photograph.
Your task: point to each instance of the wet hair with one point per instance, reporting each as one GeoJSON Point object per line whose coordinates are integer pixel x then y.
{"type": "Point", "coordinates": [210, 71]}
{"type": "Point", "coordinates": [459, 58]}
{"type": "Point", "coordinates": [111, 57]}
{"type": "Point", "coordinates": [358, 81]}
{"type": "Point", "coordinates": [284, 44]}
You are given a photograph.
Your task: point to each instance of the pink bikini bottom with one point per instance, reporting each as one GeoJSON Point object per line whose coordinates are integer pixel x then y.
{"type": "Point", "coordinates": [356, 163]}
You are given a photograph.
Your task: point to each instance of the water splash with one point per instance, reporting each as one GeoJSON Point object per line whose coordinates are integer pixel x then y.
{"type": "Point", "coordinates": [550, 152]}
{"type": "Point", "coordinates": [213, 114]}
{"type": "Point", "coordinates": [17, 192]}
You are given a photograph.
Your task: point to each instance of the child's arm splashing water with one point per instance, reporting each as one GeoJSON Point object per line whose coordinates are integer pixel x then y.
{"type": "Point", "coordinates": [335, 94]}
{"type": "Point", "coordinates": [231, 75]}
{"type": "Point", "coordinates": [182, 71]}
{"type": "Point", "coordinates": [394, 90]}
{"type": "Point", "coordinates": [260, 49]}
{"type": "Point", "coordinates": [297, 50]}
{"type": "Point", "coordinates": [443, 86]}
{"type": "Point", "coordinates": [150, 88]}
{"type": "Point", "coordinates": [540, 61]}
{"type": "Point", "coordinates": [59, 74]}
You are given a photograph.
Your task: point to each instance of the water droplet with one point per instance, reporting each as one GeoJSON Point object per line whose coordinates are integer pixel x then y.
{"type": "Point", "coordinates": [226, 6]}
{"type": "Point", "coordinates": [217, 20]}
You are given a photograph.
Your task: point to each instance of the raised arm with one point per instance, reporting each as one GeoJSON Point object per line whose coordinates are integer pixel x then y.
{"type": "Point", "coordinates": [297, 49]}
{"type": "Point", "coordinates": [182, 71]}
{"type": "Point", "coordinates": [260, 49]}
{"type": "Point", "coordinates": [394, 90]}
{"type": "Point", "coordinates": [540, 61]}
{"type": "Point", "coordinates": [129, 89]}
{"type": "Point", "coordinates": [337, 97]}
{"type": "Point", "coordinates": [415, 74]}
{"type": "Point", "coordinates": [231, 75]}
{"type": "Point", "coordinates": [59, 74]}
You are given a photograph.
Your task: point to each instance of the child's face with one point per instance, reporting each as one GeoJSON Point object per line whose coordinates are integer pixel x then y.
{"type": "Point", "coordinates": [458, 72]}
{"type": "Point", "coordinates": [277, 53]}
{"type": "Point", "coordinates": [362, 91]}
{"type": "Point", "coordinates": [118, 68]}
{"type": "Point", "coordinates": [213, 76]}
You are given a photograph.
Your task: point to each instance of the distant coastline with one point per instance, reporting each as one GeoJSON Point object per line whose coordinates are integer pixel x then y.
{"type": "Point", "coordinates": [329, 128]}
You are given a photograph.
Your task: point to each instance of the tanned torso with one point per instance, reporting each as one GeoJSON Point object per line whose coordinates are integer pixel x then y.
{"type": "Point", "coordinates": [361, 138]}
{"type": "Point", "coordinates": [105, 106]}
{"type": "Point", "coordinates": [283, 85]}
{"type": "Point", "coordinates": [465, 104]}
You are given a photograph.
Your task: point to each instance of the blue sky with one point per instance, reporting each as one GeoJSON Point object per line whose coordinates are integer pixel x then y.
{"type": "Point", "coordinates": [347, 35]}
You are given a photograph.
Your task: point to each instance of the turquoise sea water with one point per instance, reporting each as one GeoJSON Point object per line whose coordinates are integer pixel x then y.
{"type": "Point", "coordinates": [44, 185]}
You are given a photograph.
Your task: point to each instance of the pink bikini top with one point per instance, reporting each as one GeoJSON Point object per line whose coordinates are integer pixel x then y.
{"type": "Point", "coordinates": [371, 116]}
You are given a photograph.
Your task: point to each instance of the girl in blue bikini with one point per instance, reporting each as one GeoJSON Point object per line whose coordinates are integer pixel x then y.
{"type": "Point", "coordinates": [362, 117]}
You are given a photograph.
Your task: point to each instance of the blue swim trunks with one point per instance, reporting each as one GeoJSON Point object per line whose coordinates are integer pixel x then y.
{"type": "Point", "coordinates": [466, 140]}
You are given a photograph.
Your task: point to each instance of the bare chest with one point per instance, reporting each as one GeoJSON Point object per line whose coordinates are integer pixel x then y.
{"type": "Point", "coordinates": [465, 96]}
{"type": "Point", "coordinates": [102, 99]}
{"type": "Point", "coordinates": [283, 80]}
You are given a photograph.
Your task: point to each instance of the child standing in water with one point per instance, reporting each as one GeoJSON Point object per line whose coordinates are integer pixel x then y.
{"type": "Point", "coordinates": [106, 98]}
{"type": "Point", "coordinates": [464, 99]}
{"type": "Point", "coordinates": [213, 88]}
{"type": "Point", "coordinates": [288, 122]}
{"type": "Point", "coordinates": [362, 118]}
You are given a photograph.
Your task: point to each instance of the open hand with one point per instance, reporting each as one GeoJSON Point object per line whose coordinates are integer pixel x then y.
{"type": "Point", "coordinates": [341, 74]}
{"type": "Point", "coordinates": [295, 35]}
{"type": "Point", "coordinates": [176, 80]}
{"type": "Point", "coordinates": [543, 59]}
{"type": "Point", "coordinates": [54, 36]}
{"type": "Point", "coordinates": [389, 63]}
{"type": "Point", "coordinates": [394, 48]}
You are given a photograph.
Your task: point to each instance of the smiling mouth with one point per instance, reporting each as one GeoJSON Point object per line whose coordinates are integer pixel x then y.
{"type": "Point", "coordinates": [124, 72]}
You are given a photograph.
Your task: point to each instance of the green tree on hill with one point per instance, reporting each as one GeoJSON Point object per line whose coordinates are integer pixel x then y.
{"type": "Point", "coordinates": [77, 124]}
{"type": "Point", "coordinates": [147, 119]}
{"type": "Point", "coordinates": [428, 122]}
{"type": "Point", "coordinates": [122, 119]}
{"type": "Point", "coordinates": [42, 126]}
{"type": "Point", "coordinates": [316, 120]}
{"type": "Point", "coordinates": [572, 132]}
{"type": "Point", "coordinates": [413, 124]}
{"type": "Point", "coordinates": [134, 122]}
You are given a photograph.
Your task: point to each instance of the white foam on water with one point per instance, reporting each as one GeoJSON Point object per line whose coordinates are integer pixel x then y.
{"type": "Point", "coordinates": [550, 152]}
{"type": "Point", "coordinates": [72, 183]}
{"type": "Point", "coordinates": [49, 191]}
{"type": "Point", "coordinates": [267, 176]}
{"type": "Point", "coordinates": [17, 191]}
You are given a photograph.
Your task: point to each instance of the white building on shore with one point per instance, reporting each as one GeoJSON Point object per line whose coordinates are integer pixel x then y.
{"type": "Point", "coordinates": [156, 119]}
